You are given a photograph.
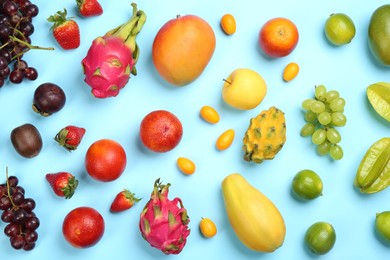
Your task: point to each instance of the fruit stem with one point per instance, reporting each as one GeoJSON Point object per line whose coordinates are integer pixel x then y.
{"type": "Point", "coordinates": [8, 187]}
{"type": "Point", "coordinates": [29, 46]}
{"type": "Point", "coordinates": [227, 81]}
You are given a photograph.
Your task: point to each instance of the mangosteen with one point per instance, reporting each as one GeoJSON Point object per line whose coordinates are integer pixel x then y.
{"type": "Point", "coordinates": [48, 99]}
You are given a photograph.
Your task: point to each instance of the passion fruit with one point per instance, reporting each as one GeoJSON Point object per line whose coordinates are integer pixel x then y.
{"type": "Point", "coordinates": [26, 140]}
{"type": "Point", "coordinates": [48, 98]}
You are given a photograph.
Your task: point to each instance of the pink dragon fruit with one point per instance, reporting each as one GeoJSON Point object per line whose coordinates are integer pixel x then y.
{"type": "Point", "coordinates": [163, 223]}
{"type": "Point", "coordinates": [111, 58]}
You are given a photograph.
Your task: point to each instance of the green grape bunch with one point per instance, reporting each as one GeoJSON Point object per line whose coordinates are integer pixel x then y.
{"type": "Point", "coordinates": [323, 114]}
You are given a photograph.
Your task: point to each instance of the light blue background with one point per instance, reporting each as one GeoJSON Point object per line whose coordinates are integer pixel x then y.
{"type": "Point", "coordinates": [348, 69]}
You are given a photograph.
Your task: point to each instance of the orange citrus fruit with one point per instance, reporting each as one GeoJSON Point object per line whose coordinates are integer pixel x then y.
{"type": "Point", "coordinates": [105, 160]}
{"type": "Point", "coordinates": [278, 37]}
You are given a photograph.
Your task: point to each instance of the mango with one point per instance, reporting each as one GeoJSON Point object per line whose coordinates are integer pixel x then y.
{"type": "Point", "coordinates": [379, 34]}
{"type": "Point", "coordinates": [182, 49]}
{"type": "Point", "coordinates": [254, 218]}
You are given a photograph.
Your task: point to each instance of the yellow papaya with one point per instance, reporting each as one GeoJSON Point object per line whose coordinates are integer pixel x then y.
{"type": "Point", "coordinates": [254, 218]}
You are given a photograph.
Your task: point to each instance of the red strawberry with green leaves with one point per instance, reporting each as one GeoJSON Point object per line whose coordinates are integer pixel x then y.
{"type": "Point", "coordinates": [89, 7]}
{"type": "Point", "coordinates": [65, 30]}
{"type": "Point", "coordinates": [70, 137]}
{"type": "Point", "coordinates": [63, 184]}
{"type": "Point", "coordinates": [123, 200]}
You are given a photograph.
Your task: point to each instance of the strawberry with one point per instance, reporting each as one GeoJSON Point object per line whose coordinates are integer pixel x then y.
{"type": "Point", "coordinates": [70, 137]}
{"type": "Point", "coordinates": [65, 30]}
{"type": "Point", "coordinates": [63, 184]}
{"type": "Point", "coordinates": [89, 7]}
{"type": "Point", "coordinates": [123, 200]}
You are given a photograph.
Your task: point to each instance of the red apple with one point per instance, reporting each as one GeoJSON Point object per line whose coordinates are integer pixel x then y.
{"type": "Point", "coordinates": [161, 131]}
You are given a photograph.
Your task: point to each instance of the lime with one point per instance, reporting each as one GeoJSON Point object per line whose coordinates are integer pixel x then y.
{"type": "Point", "coordinates": [320, 238]}
{"type": "Point", "coordinates": [307, 184]}
{"type": "Point", "coordinates": [379, 96]}
{"type": "Point", "coordinates": [382, 225]}
{"type": "Point", "coordinates": [339, 29]}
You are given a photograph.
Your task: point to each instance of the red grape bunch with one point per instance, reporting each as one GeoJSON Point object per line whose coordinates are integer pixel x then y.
{"type": "Point", "coordinates": [16, 27]}
{"type": "Point", "coordinates": [17, 212]}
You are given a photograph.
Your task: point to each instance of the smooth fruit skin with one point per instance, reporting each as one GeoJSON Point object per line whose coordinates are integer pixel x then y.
{"type": "Point", "coordinates": [161, 131]}
{"type": "Point", "coordinates": [182, 49]}
{"type": "Point", "coordinates": [228, 24]}
{"type": "Point", "coordinates": [379, 33]}
{"type": "Point", "coordinates": [320, 238]}
{"type": "Point", "coordinates": [307, 185]}
{"type": "Point", "coordinates": [83, 227]}
{"type": "Point", "coordinates": [382, 226]}
{"type": "Point", "coordinates": [244, 89]}
{"type": "Point", "coordinates": [105, 160]}
{"type": "Point", "coordinates": [339, 29]}
{"type": "Point", "coordinates": [278, 37]}
{"type": "Point", "coordinates": [254, 218]}
{"type": "Point", "coordinates": [207, 228]}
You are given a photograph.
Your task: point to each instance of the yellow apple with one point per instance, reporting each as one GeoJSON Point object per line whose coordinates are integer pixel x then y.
{"type": "Point", "coordinates": [244, 89]}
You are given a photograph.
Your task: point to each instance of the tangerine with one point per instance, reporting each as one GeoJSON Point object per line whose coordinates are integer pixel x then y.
{"type": "Point", "coordinates": [105, 160]}
{"type": "Point", "coordinates": [83, 227]}
{"type": "Point", "coordinates": [278, 37]}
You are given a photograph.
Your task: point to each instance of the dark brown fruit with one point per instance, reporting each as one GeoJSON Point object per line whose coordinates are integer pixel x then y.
{"type": "Point", "coordinates": [48, 99]}
{"type": "Point", "coordinates": [26, 140]}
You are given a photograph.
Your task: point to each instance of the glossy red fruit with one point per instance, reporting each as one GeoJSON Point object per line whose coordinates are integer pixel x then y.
{"type": "Point", "coordinates": [105, 160]}
{"type": "Point", "coordinates": [83, 227]}
{"type": "Point", "coordinates": [161, 131]}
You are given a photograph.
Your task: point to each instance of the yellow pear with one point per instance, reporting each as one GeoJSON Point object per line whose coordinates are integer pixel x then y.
{"type": "Point", "coordinates": [244, 89]}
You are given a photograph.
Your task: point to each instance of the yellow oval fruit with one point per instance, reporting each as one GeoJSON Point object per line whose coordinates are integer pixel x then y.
{"type": "Point", "coordinates": [207, 227]}
{"type": "Point", "coordinates": [228, 24]}
{"type": "Point", "coordinates": [225, 139]}
{"type": "Point", "coordinates": [209, 114]}
{"type": "Point", "coordinates": [182, 49]}
{"type": "Point", "coordinates": [185, 165]}
{"type": "Point", "coordinates": [255, 220]}
{"type": "Point", "coordinates": [244, 89]}
{"type": "Point", "coordinates": [290, 71]}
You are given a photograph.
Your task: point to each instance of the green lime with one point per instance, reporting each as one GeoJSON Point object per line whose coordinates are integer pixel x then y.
{"type": "Point", "coordinates": [320, 238]}
{"type": "Point", "coordinates": [379, 96]}
{"type": "Point", "coordinates": [339, 29]}
{"type": "Point", "coordinates": [382, 225]}
{"type": "Point", "coordinates": [307, 184]}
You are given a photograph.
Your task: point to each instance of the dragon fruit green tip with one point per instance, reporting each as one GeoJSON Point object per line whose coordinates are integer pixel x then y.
{"type": "Point", "coordinates": [111, 59]}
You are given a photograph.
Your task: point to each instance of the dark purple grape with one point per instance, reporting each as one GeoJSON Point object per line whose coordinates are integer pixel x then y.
{"type": "Point", "coordinates": [20, 216]}
{"type": "Point", "coordinates": [3, 63]}
{"type": "Point", "coordinates": [28, 204]}
{"type": "Point", "coordinates": [5, 203]}
{"type": "Point", "coordinates": [3, 190]}
{"type": "Point", "coordinates": [20, 64]}
{"type": "Point", "coordinates": [2, 81]}
{"type": "Point", "coordinates": [31, 10]}
{"type": "Point", "coordinates": [6, 54]}
{"type": "Point", "coordinates": [31, 236]}
{"type": "Point", "coordinates": [12, 230]}
{"type": "Point", "coordinates": [5, 31]}
{"type": "Point", "coordinates": [9, 8]}
{"type": "Point", "coordinates": [48, 99]}
{"type": "Point", "coordinates": [7, 216]}
{"type": "Point", "coordinates": [32, 223]}
{"type": "Point", "coordinates": [27, 28]}
{"type": "Point", "coordinates": [4, 19]}
{"type": "Point", "coordinates": [18, 198]}
{"type": "Point", "coordinates": [15, 19]}
{"type": "Point", "coordinates": [13, 181]}
{"type": "Point", "coordinates": [29, 246]}
{"type": "Point", "coordinates": [31, 73]}
{"type": "Point", "coordinates": [19, 189]}
{"type": "Point", "coordinates": [18, 51]}
{"type": "Point", "coordinates": [30, 215]}
{"type": "Point", "coordinates": [17, 242]}
{"type": "Point", "coordinates": [16, 76]}
{"type": "Point", "coordinates": [4, 73]}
